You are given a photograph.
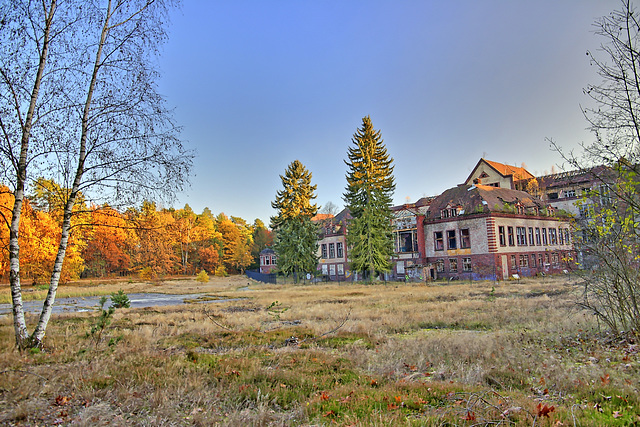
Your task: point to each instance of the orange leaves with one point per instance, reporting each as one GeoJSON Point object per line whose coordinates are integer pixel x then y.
{"type": "Point", "coordinates": [605, 380]}
{"type": "Point", "coordinates": [544, 410]}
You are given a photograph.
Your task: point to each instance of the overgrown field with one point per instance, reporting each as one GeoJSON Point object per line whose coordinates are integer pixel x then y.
{"type": "Point", "coordinates": [385, 354]}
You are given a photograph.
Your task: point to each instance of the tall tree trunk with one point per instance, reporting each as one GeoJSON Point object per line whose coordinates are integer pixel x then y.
{"type": "Point", "coordinates": [47, 308]}
{"type": "Point", "coordinates": [20, 326]}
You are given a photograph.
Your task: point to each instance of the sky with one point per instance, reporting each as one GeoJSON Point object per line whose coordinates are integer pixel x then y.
{"type": "Point", "coordinates": [258, 84]}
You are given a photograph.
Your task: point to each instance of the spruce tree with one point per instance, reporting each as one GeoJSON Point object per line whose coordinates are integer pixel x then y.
{"type": "Point", "coordinates": [369, 191]}
{"type": "Point", "coordinates": [296, 236]}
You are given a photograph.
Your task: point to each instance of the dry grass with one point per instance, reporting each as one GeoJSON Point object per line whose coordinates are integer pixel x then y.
{"type": "Point", "coordinates": [458, 354]}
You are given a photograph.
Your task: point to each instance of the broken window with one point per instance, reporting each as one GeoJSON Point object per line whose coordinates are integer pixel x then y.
{"type": "Point", "coordinates": [544, 237]}
{"type": "Point", "coordinates": [510, 233]}
{"type": "Point", "coordinates": [531, 236]}
{"type": "Point", "coordinates": [521, 236]}
{"type": "Point", "coordinates": [513, 261]}
{"type": "Point", "coordinates": [533, 260]}
{"type": "Point", "coordinates": [537, 236]}
{"type": "Point", "coordinates": [407, 241]}
{"type": "Point", "coordinates": [339, 250]}
{"type": "Point", "coordinates": [438, 240]}
{"type": "Point", "coordinates": [466, 264]}
{"type": "Point", "coordinates": [465, 238]}
{"type": "Point", "coordinates": [453, 265]}
{"type": "Point", "coordinates": [451, 239]}
{"type": "Point", "coordinates": [332, 250]}
{"type": "Point", "coordinates": [560, 237]}
{"type": "Point", "coordinates": [324, 250]}
{"type": "Point", "coordinates": [566, 237]}
{"type": "Point", "coordinates": [440, 266]}
{"type": "Point", "coordinates": [553, 236]}
{"type": "Point", "coordinates": [524, 261]}
{"type": "Point", "coordinates": [503, 239]}
{"type": "Point", "coordinates": [340, 270]}
{"type": "Point", "coordinates": [555, 259]}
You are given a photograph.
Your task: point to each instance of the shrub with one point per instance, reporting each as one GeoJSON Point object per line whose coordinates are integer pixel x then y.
{"type": "Point", "coordinates": [202, 277]}
{"type": "Point", "coordinates": [147, 273]}
{"type": "Point", "coordinates": [120, 300]}
{"type": "Point", "coordinates": [221, 271]}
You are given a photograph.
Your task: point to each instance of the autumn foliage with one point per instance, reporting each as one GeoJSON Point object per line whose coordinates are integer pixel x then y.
{"type": "Point", "coordinates": [147, 241]}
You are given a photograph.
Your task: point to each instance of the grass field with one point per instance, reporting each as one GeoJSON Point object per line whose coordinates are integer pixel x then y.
{"type": "Point", "coordinates": [511, 353]}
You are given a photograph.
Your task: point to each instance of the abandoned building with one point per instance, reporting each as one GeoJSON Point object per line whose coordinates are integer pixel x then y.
{"type": "Point", "coordinates": [502, 221]}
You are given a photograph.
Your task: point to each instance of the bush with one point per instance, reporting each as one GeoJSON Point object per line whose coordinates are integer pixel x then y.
{"type": "Point", "coordinates": [202, 277]}
{"type": "Point", "coordinates": [147, 273]}
{"type": "Point", "coordinates": [221, 271]}
{"type": "Point", "coordinates": [120, 300]}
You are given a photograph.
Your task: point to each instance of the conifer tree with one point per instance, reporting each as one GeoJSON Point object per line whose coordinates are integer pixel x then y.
{"type": "Point", "coordinates": [369, 191]}
{"type": "Point", "coordinates": [295, 241]}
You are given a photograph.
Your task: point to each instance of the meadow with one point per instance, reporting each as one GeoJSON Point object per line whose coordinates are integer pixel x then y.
{"type": "Point", "coordinates": [456, 354]}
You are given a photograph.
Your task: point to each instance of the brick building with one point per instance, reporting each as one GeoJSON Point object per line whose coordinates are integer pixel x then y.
{"type": "Point", "coordinates": [268, 260]}
{"type": "Point", "coordinates": [482, 232]}
{"type": "Point", "coordinates": [332, 245]}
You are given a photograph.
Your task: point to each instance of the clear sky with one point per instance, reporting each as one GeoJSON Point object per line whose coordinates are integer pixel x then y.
{"type": "Point", "coordinates": [257, 84]}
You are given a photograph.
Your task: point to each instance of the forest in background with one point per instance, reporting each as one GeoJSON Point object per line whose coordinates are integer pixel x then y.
{"type": "Point", "coordinates": [147, 240]}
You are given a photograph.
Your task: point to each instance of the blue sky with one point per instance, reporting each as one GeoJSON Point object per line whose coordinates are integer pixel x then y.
{"type": "Point", "coordinates": [257, 84]}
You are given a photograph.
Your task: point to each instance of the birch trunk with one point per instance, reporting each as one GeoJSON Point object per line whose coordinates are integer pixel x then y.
{"type": "Point", "coordinates": [20, 326]}
{"type": "Point", "coordinates": [47, 308]}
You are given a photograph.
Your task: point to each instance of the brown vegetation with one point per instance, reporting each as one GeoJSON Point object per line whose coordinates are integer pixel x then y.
{"type": "Point", "coordinates": [458, 354]}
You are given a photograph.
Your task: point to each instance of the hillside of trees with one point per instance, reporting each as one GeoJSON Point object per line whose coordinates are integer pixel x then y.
{"type": "Point", "coordinates": [145, 240]}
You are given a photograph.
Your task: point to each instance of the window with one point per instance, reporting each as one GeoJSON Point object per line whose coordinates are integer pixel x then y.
{"type": "Point", "coordinates": [453, 265]}
{"type": "Point", "coordinates": [273, 260]}
{"type": "Point", "coordinates": [325, 269]}
{"type": "Point", "coordinates": [537, 236]}
{"type": "Point", "coordinates": [553, 196]}
{"type": "Point", "coordinates": [451, 239]}
{"type": "Point", "coordinates": [566, 237]}
{"type": "Point", "coordinates": [510, 233]}
{"type": "Point", "coordinates": [340, 254]}
{"type": "Point", "coordinates": [332, 250]}
{"type": "Point", "coordinates": [332, 270]}
{"type": "Point", "coordinates": [605, 195]}
{"type": "Point", "coordinates": [532, 263]}
{"type": "Point", "coordinates": [521, 236]}
{"type": "Point", "coordinates": [553, 236]}
{"type": "Point", "coordinates": [555, 259]}
{"type": "Point", "coordinates": [466, 264]}
{"type": "Point", "coordinates": [503, 241]}
{"type": "Point", "coordinates": [570, 193]}
{"type": "Point", "coordinates": [560, 237]}
{"type": "Point", "coordinates": [266, 260]}
{"type": "Point", "coordinates": [524, 261]}
{"type": "Point", "coordinates": [340, 270]}
{"type": "Point", "coordinates": [407, 241]}
{"type": "Point", "coordinates": [530, 236]}
{"type": "Point", "coordinates": [324, 250]}
{"type": "Point", "coordinates": [546, 259]}
{"type": "Point", "coordinates": [540, 260]}
{"type": "Point", "coordinates": [513, 261]}
{"type": "Point", "coordinates": [440, 266]}
{"type": "Point", "coordinates": [465, 238]}
{"type": "Point", "coordinates": [438, 240]}
{"type": "Point", "coordinates": [544, 237]}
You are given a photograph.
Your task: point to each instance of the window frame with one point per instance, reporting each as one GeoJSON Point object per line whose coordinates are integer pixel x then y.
{"type": "Point", "coordinates": [451, 237]}
{"type": "Point", "coordinates": [438, 241]}
{"type": "Point", "coordinates": [465, 238]}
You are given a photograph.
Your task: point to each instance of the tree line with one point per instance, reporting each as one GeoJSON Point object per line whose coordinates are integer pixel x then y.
{"type": "Point", "coordinates": [145, 240]}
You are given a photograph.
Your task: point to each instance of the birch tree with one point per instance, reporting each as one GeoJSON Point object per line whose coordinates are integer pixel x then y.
{"type": "Point", "coordinates": [92, 120]}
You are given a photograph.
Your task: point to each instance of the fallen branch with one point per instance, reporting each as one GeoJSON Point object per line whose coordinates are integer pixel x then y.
{"type": "Point", "coordinates": [215, 322]}
{"type": "Point", "coordinates": [331, 331]}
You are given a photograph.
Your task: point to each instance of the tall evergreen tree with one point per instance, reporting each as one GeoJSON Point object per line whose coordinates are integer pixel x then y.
{"type": "Point", "coordinates": [369, 191]}
{"type": "Point", "coordinates": [295, 241]}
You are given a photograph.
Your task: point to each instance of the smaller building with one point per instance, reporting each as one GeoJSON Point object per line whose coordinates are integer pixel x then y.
{"type": "Point", "coordinates": [332, 246]}
{"type": "Point", "coordinates": [268, 261]}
